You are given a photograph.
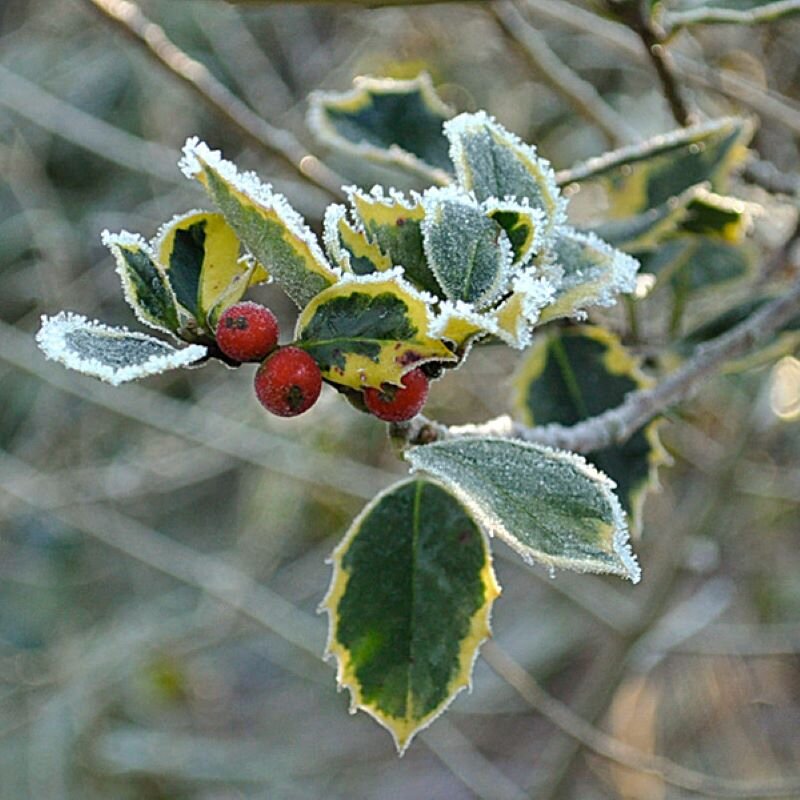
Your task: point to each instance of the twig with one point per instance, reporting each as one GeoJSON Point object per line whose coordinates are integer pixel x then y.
{"type": "Point", "coordinates": [558, 76]}
{"type": "Point", "coordinates": [202, 426]}
{"type": "Point", "coordinates": [621, 753]}
{"type": "Point", "coordinates": [637, 16]}
{"type": "Point", "coordinates": [705, 15]}
{"type": "Point", "coordinates": [620, 423]}
{"type": "Point", "coordinates": [84, 130]}
{"type": "Point", "coordinates": [128, 17]}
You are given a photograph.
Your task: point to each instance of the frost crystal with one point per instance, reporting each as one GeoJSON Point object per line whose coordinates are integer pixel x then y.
{"type": "Point", "coordinates": [114, 355]}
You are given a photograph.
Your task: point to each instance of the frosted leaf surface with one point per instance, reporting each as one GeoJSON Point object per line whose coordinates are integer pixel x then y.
{"type": "Point", "coordinates": [493, 163]}
{"type": "Point", "coordinates": [114, 355]}
{"type": "Point", "coordinates": [594, 273]}
{"type": "Point", "coordinates": [469, 253]}
{"type": "Point", "coordinates": [550, 506]}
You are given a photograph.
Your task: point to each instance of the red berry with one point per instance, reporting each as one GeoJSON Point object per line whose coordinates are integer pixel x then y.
{"type": "Point", "coordinates": [288, 382]}
{"type": "Point", "coordinates": [399, 403]}
{"type": "Point", "coordinates": [247, 332]}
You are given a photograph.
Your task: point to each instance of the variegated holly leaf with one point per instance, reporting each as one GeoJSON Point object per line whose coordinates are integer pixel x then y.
{"type": "Point", "coordinates": [468, 252]}
{"type": "Point", "coordinates": [409, 605]}
{"type": "Point", "coordinates": [367, 331]}
{"type": "Point", "coordinates": [393, 224]}
{"type": "Point", "coordinates": [594, 273]}
{"type": "Point", "coordinates": [696, 212]}
{"type": "Point", "coordinates": [646, 175]}
{"type": "Point", "coordinates": [200, 254]}
{"type": "Point", "coordinates": [491, 162]}
{"type": "Point", "coordinates": [144, 283]}
{"type": "Point", "coordinates": [523, 225]}
{"type": "Point", "coordinates": [350, 248]}
{"type": "Point", "coordinates": [550, 506]}
{"type": "Point", "coordinates": [273, 232]}
{"type": "Point", "coordinates": [396, 122]}
{"type": "Point", "coordinates": [572, 374]}
{"type": "Point", "coordinates": [114, 355]}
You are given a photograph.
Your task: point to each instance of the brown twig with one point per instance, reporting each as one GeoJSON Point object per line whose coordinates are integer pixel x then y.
{"type": "Point", "coordinates": [129, 18]}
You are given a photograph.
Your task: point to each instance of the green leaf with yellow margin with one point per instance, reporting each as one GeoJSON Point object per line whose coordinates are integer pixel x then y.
{"type": "Point", "coordinates": [523, 225]}
{"type": "Point", "coordinates": [646, 175]}
{"type": "Point", "coordinates": [594, 273]}
{"type": "Point", "coordinates": [572, 374]}
{"type": "Point", "coordinates": [492, 162]}
{"type": "Point", "coordinates": [395, 122]}
{"type": "Point", "coordinates": [696, 212]}
{"type": "Point", "coordinates": [393, 223]}
{"type": "Point", "coordinates": [367, 331]}
{"type": "Point", "coordinates": [144, 282]}
{"type": "Point", "coordinates": [409, 605]}
{"type": "Point", "coordinates": [200, 254]}
{"type": "Point", "coordinates": [273, 232]}
{"type": "Point", "coordinates": [549, 505]}
{"type": "Point", "coordinates": [348, 247]}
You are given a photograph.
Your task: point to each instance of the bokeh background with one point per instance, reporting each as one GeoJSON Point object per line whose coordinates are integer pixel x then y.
{"type": "Point", "coordinates": [151, 534]}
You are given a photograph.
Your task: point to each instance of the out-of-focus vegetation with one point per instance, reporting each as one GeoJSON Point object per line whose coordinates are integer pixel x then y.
{"type": "Point", "coordinates": [151, 534]}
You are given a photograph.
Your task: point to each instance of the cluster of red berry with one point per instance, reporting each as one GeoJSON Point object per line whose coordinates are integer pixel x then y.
{"type": "Point", "coordinates": [288, 381]}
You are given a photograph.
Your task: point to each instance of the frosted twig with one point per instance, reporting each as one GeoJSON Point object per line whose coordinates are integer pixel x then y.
{"type": "Point", "coordinates": [709, 15]}
{"type": "Point", "coordinates": [583, 97]}
{"type": "Point", "coordinates": [128, 17]}
{"type": "Point", "coordinates": [620, 752]}
{"type": "Point", "coordinates": [619, 424]}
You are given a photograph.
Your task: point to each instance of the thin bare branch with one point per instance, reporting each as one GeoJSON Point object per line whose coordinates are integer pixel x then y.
{"type": "Point", "coordinates": [79, 128]}
{"type": "Point", "coordinates": [580, 94]}
{"type": "Point", "coordinates": [705, 15]}
{"type": "Point", "coordinates": [621, 753]}
{"type": "Point", "coordinates": [619, 424]}
{"type": "Point", "coordinates": [129, 18]}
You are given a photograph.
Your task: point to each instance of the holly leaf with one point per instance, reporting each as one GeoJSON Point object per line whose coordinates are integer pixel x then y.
{"type": "Point", "coordinates": [348, 247]}
{"type": "Point", "coordinates": [468, 252]}
{"type": "Point", "coordinates": [114, 355]}
{"type": "Point", "coordinates": [273, 232]}
{"type": "Point", "coordinates": [696, 212]}
{"type": "Point", "coordinates": [395, 122]}
{"type": "Point", "coordinates": [594, 273]}
{"type": "Point", "coordinates": [550, 506]}
{"type": "Point", "coordinates": [393, 224]}
{"type": "Point", "coordinates": [491, 162]}
{"type": "Point", "coordinates": [199, 252]}
{"type": "Point", "coordinates": [646, 175]}
{"type": "Point", "coordinates": [409, 605]}
{"type": "Point", "coordinates": [523, 226]}
{"type": "Point", "coordinates": [144, 284]}
{"type": "Point", "coordinates": [572, 374]}
{"type": "Point", "coordinates": [367, 331]}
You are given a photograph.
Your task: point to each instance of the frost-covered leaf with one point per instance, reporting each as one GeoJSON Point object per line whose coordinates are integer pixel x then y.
{"type": "Point", "coordinates": [273, 232]}
{"type": "Point", "coordinates": [594, 273]}
{"type": "Point", "coordinates": [369, 331]}
{"type": "Point", "coordinates": [396, 122]}
{"type": "Point", "coordinates": [523, 226]}
{"type": "Point", "coordinates": [468, 252]}
{"type": "Point", "coordinates": [115, 355]}
{"type": "Point", "coordinates": [647, 175]}
{"type": "Point", "coordinates": [550, 506]}
{"type": "Point", "coordinates": [409, 605]}
{"type": "Point", "coordinates": [732, 12]}
{"type": "Point", "coordinates": [393, 223]}
{"type": "Point", "coordinates": [144, 283]}
{"type": "Point", "coordinates": [516, 316]}
{"type": "Point", "coordinates": [693, 213]}
{"type": "Point", "coordinates": [200, 254]}
{"type": "Point", "coordinates": [349, 248]}
{"type": "Point", "coordinates": [573, 374]}
{"type": "Point", "coordinates": [491, 162]}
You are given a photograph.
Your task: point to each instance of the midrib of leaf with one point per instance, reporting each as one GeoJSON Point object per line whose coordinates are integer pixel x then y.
{"type": "Point", "coordinates": [471, 269]}
{"type": "Point", "coordinates": [568, 374]}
